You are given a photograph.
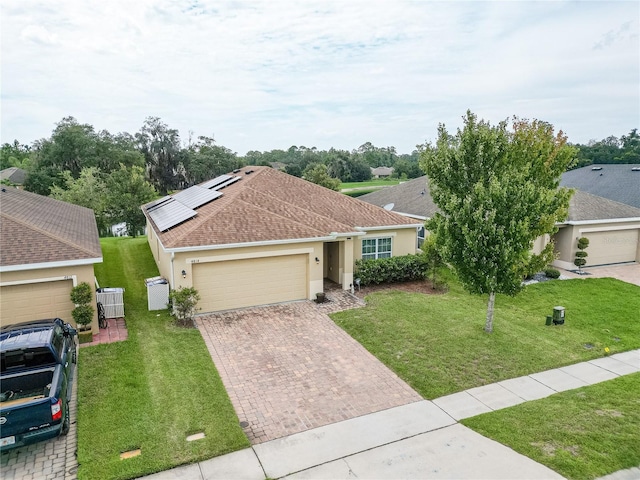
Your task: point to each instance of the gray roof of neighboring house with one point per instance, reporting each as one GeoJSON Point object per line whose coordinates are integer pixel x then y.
{"type": "Point", "coordinates": [411, 198]}
{"type": "Point", "coordinates": [583, 206]}
{"type": "Point", "coordinates": [615, 182]}
{"type": "Point", "coordinates": [37, 229]}
{"type": "Point", "coordinates": [414, 198]}
{"type": "Point", "coordinates": [15, 175]}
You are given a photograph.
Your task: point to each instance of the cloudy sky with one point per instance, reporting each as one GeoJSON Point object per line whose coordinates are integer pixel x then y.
{"type": "Point", "coordinates": [260, 75]}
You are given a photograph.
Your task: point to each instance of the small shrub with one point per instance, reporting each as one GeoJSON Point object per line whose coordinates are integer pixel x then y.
{"type": "Point", "coordinates": [183, 305]}
{"type": "Point", "coordinates": [552, 273]}
{"type": "Point", "coordinates": [81, 296]}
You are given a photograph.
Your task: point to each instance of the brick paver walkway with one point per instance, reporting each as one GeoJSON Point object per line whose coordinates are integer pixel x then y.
{"type": "Point", "coordinates": [289, 368]}
{"type": "Point", "coordinates": [116, 331]}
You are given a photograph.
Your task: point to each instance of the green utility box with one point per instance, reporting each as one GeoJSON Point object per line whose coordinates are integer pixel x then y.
{"type": "Point", "coordinates": [558, 315]}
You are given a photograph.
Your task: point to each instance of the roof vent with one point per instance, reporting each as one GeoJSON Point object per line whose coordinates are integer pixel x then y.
{"type": "Point", "coordinates": [248, 172]}
{"type": "Point", "coordinates": [236, 170]}
{"type": "Point", "coordinates": [596, 168]}
{"type": "Point", "coordinates": [635, 169]}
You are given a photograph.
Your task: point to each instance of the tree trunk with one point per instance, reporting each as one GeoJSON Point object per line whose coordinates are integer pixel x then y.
{"type": "Point", "coordinates": [488, 326]}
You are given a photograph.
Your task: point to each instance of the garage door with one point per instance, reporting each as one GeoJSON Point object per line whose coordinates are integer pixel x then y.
{"type": "Point", "coordinates": [34, 301]}
{"type": "Point", "coordinates": [246, 283]}
{"type": "Point", "coordinates": [612, 247]}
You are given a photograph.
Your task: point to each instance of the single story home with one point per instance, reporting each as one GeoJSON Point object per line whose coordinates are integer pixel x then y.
{"type": "Point", "coordinates": [619, 182]}
{"type": "Point", "coordinates": [46, 248]}
{"type": "Point", "coordinates": [381, 172]}
{"type": "Point", "coordinates": [260, 236]}
{"type": "Point", "coordinates": [613, 228]}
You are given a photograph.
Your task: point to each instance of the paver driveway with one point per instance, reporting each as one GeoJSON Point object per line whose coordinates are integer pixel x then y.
{"type": "Point", "coordinates": [288, 368]}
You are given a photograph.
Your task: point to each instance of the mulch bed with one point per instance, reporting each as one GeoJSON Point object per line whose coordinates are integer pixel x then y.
{"type": "Point", "coordinates": [422, 286]}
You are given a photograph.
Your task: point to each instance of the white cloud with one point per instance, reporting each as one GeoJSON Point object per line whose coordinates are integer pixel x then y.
{"type": "Point", "coordinates": [270, 74]}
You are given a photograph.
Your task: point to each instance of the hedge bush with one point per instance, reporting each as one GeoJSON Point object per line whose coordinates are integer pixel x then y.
{"type": "Point", "coordinates": [406, 268]}
{"type": "Point", "coordinates": [552, 273]}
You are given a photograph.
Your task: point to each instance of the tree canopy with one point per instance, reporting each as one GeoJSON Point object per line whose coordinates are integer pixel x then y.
{"type": "Point", "coordinates": [498, 190]}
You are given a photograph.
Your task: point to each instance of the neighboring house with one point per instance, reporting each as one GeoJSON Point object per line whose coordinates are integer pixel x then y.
{"type": "Point", "coordinates": [620, 183]}
{"type": "Point", "coordinates": [411, 199]}
{"type": "Point", "coordinates": [259, 236]}
{"type": "Point", "coordinates": [381, 172]}
{"type": "Point", "coordinates": [14, 176]}
{"type": "Point", "coordinates": [613, 228]}
{"type": "Point", "coordinates": [46, 248]}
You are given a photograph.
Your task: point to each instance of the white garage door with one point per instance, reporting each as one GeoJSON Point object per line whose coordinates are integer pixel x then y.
{"type": "Point", "coordinates": [35, 301]}
{"type": "Point", "coordinates": [612, 247]}
{"type": "Point", "coordinates": [246, 283]}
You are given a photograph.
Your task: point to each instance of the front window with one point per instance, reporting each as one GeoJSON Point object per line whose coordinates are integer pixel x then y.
{"type": "Point", "coordinates": [376, 248]}
{"type": "Point", "coordinates": [421, 236]}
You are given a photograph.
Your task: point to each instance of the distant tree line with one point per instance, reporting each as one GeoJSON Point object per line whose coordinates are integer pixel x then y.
{"type": "Point", "coordinates": [625, 149]}
{"type": "Point", "coordinates": [114, 174]}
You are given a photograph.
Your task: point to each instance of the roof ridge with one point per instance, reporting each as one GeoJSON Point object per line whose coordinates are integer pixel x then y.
{"type": "Point", "coordinates": [46, 233]}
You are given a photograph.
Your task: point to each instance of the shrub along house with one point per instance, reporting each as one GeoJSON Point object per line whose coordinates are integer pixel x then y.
{"type": "Point", "coordinates": [259, 236]}
{"type": "Point", "coordinates": [46, 248]}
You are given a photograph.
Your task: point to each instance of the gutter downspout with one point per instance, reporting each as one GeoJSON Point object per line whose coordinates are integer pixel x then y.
{"type": "Point", "coordinates": [172, 285]}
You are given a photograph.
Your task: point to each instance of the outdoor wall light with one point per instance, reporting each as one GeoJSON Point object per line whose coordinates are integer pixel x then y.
{"type": "Point", "coordinates": [184, 274]}
{"type": "Point", "coordinates": [317, 260]}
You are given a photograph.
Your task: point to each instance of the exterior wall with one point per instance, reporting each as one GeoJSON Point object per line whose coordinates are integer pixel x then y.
{"type": "Point", "coordinates": [403, 241]}
{"type": "Point", "coordinates": [566, 240]}
{"type": "Point", "coordinates": [73, 275]}
{"type": "Point", "coordinates": [539, 244]}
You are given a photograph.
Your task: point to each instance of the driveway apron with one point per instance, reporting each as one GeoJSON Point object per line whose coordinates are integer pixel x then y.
{"type": "Point", "coordinates": [289, 368]}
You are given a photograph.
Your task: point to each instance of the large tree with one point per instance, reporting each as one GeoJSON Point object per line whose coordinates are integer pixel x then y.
{"type": "Point", "coordinates": [128, 191]}
{"type": "Point", "coordinates": [163, 154]}
{"type": "Point", "coordinates": [498, 190]}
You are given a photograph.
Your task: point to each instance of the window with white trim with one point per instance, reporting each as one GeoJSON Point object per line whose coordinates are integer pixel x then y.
{"type": "Point", "coordinates": [421, 236]}
{"type": "Point", "coordinates": [376, 248]}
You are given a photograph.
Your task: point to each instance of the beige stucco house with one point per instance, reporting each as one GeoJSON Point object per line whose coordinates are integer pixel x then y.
{"type": "Point", "coordinates": [613, 228]}
{"type": "Point", "coordinates": [46, 248]}
{"type": "Point", "coordinates": [260, 236]}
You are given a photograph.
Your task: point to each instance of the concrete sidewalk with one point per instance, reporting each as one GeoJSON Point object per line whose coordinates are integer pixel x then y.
{"type": "Point", "coordinates": [418, 440]}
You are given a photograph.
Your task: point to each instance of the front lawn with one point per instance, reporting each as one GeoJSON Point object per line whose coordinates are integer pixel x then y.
{"type": "Point", "coordinates": [581, 434]}
{"type": "Point", "coordinates": [151, 391]}
{"type": "Point", "coordinates": [437, 345]}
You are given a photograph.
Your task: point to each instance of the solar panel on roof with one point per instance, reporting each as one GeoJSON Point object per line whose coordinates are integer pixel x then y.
{"type": "Point", "coordinates": [216, 181]}
{"type": "Point", "coordinates": [227, 183]}
{"type": "Point", "coordinates": [170, 214]}
{"type": "Point", "coordinates": [196, 196]}
{"type": "Point", "coordinates": [158, 203]}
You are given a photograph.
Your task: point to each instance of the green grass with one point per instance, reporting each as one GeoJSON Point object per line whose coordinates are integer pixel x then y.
{"type": "Point", "coordinates": [371, 183]}
{"type": "Point", "coordinates": [150, 391]}
{"type": "Point", "coordinates": [581, 434]}
{"type": "Point", "coordinates": [436, 343]}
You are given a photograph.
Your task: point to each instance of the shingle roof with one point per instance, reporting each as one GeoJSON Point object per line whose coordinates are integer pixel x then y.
{"type": "Point", "coordinates": [412, 198]}
{"type": "Point", "coordinates": [15, 175]}
{"type": "Point", "coordinates": [37, 229]}
{"type": "Point", "coordinates": [408, 198]}
{"type": "Point", "coordinates": [269, 205]}
{"type": "Point", "coordinates": [615, 182]}
{"type": "Point", "coordinates": [583, 206]}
